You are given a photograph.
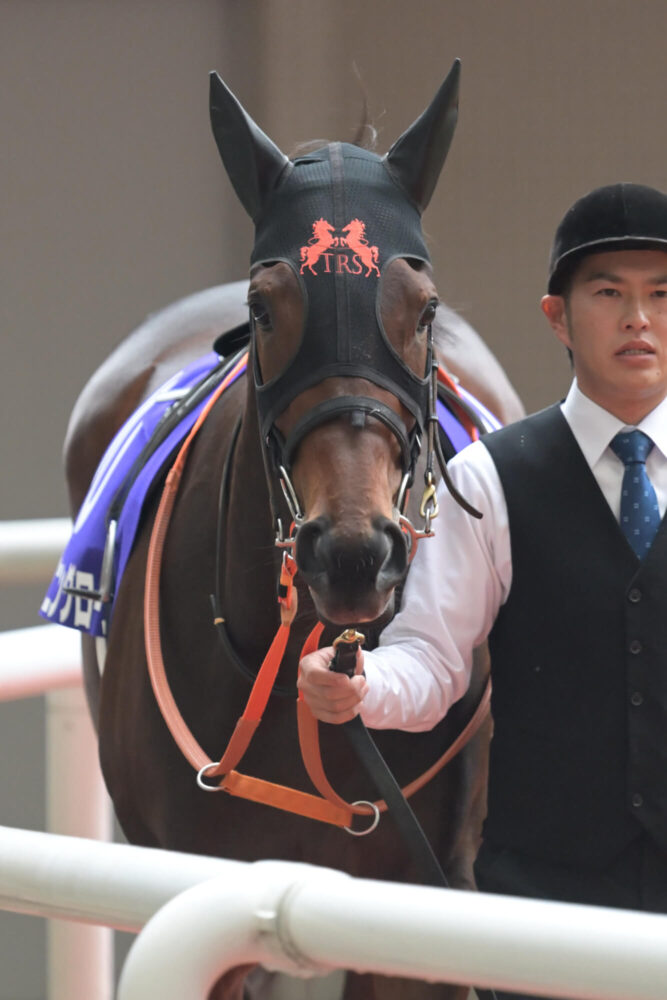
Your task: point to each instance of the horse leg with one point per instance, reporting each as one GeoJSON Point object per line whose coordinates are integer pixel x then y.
{"type": "Point", "coordinates": [264, 985]}
{"type": "Point", "coordinates": [253, 982]}
{"type": "Point", "coordinates": [91, 675]}
{"type": "Point", "coordinates": [231, 985]}
{"type": "Point", "coordinates": [374, 987]}
{"type": "Point", "coordinates": [466, 802]}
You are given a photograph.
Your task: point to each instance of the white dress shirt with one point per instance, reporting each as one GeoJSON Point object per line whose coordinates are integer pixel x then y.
{"type": "Point", "coordinates": [461, 577]}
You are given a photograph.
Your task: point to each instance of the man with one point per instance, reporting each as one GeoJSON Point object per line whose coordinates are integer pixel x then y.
{"type": "Point", "coordinates": [566, 575]}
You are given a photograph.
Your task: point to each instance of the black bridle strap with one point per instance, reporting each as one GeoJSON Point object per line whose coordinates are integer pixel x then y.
{"type": "Point", "coordinates": [331, 409]}
{"type": "Point", "coordinates": [284, 691]}
{"type": "Point", "coordinates": [400, 811]}
{"type": "Point", "coordinates": [461, 404]}
{"type": "Point", "coordinates": [387, 787]}
{"type": "Point", "coordinates": [344, 662]}
{"type": "Point", "coordinates": [398, 807]}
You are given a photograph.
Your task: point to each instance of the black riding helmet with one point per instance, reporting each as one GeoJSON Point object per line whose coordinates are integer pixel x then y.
{"type": "Point", "coordinates": [616, 217]}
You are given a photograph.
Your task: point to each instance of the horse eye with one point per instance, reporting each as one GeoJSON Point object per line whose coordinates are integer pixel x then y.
{"type": "Point", "coordinates": [428, 315]}
{"type": "Point", "coordinates": [260, 315]}
{"type": "Point", "coordinates": [415, 263]}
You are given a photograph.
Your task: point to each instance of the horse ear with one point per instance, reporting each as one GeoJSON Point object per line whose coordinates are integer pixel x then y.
{"type": "Point", "coordinates": [254, 163]}
{"type": "Point", "coordinates": [417, 157]}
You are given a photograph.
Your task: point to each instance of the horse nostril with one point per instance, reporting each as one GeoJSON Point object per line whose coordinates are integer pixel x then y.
{"type": "Point", "coordinates": [395, 563]}
{"type": "Point", "coordinates": [347, 565]}
{"type": "Point", "coordinates": [309, 544]}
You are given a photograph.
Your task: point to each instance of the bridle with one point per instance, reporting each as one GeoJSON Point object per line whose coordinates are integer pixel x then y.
{"type": "Point", "coordinates": [279, 453]}
{"type": "Point", "coordinates": [338, 220]}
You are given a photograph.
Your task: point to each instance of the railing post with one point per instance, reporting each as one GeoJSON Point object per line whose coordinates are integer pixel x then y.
{"type": "Point", "coordinates": [80, 956]}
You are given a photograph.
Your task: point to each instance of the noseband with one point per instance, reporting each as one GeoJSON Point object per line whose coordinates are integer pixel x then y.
{"type": "Point", "coordinates": [280, 452]}
{"type": "Point", "coordinates": [357, 408]}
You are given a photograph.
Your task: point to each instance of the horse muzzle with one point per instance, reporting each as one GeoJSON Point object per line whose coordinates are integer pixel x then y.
{"type": "Point", "coordinates": [351, 576]}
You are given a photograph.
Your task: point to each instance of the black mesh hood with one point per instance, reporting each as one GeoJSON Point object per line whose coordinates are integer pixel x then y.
{"type": "Point", "coordinates": [337, 218]}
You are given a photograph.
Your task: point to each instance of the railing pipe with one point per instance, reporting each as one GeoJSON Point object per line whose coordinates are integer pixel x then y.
{"type": "Point", "coordinates": [38, 659]}
{"type": "Point", "coordinates": [30, 549]}
{"type": "Point", "coordinates": [46, 660]}
{"type": "Point", "coordinates": [317, 921]}
{"type": "Point", "coordinates": [302, 920]}
{"type": "Point", "coordinates": [236, 921]}
{"type": "Point", "coordinates": [80, 958]}
{"type": "Point", "coordinates": [74, 878]}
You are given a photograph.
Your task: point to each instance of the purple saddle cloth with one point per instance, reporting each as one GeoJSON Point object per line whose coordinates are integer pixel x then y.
{"type": "Point", "coordinates": [80, 566]}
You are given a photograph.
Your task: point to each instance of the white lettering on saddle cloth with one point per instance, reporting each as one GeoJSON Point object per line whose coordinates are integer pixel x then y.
{"type": "Point", "coordinates": [76, 610]}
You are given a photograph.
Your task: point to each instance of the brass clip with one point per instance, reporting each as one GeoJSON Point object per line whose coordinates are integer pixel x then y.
{"type": "Point", "coordinates": [429, 497]}
{"type": "Point", "coordinates": [349, 636]}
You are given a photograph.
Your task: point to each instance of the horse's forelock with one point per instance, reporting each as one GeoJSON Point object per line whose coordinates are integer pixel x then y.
{"type": "Point", "coordinates": [365, 137]}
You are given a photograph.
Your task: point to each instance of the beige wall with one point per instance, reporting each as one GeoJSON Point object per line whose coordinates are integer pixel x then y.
{"type": "Point", "coordinates": [114, 202]}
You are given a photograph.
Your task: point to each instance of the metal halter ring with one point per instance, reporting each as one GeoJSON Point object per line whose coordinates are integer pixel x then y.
{"type": "Point", "coordinates": [200, 778]}
{"type": "Point", "coordinates": [402, 496]}
{"type": "Point", "coordinates": [413, 536]}
{"type": "Point", "coordinates": [282, 542]}
{"type": "Point", "coordinates": [290, 495]}
{"type": "Point", "coordinates": [376, 819]}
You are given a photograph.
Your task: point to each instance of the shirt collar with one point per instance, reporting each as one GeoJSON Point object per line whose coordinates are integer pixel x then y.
{"type": "Point", "coordinates": [594, 427]}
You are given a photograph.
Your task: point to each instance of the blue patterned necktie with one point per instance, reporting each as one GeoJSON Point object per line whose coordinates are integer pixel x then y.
{"type": "Point", "coordinates": [640, 515]}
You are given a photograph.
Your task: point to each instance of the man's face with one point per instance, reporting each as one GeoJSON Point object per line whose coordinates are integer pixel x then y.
{"type": "Point", "coordinates": [614, 320]}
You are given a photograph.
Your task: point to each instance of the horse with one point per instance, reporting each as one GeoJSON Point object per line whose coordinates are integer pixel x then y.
{"type": "Point", "coordinates": [313, 448]}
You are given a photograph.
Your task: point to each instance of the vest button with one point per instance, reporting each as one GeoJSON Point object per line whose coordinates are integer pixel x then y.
{"type": "Point", "coordinates": [634, 595]}
{"type": "Point", "coordinates": [637, 800]}
{"type": "Point", "coordinates": [635, 646]}
{"type": "Point", "coordinates": [636, 698]}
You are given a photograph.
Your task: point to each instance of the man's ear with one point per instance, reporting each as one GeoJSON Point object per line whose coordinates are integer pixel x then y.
{"type": "Point", "coordinates": [553, 307]}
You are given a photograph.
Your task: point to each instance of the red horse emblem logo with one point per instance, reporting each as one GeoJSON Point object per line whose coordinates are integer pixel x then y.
{"type": "Point", "coordinates": [325, 239]}
{"type": "Point", "coordinates": [318, 244]}
{"type": "Point", "coordinates": [357, 242]}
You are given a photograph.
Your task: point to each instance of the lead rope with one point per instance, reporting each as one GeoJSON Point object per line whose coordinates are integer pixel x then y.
{"type": "Point", "coordinates": [395, 798]}
{"type": "Point", "coordinates": [309, 742]}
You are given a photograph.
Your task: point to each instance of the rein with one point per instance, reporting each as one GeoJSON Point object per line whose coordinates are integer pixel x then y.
{"type": "Point", "coordinates": [330, 807]}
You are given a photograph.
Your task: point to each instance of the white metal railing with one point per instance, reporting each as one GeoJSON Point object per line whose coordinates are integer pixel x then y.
{"type": "Point", "coordinates": [201, 916]}
{"type": "Point", "coordinates": [78, 878]}
{"type": "Point", "coordinates": [39, 659]}
{"type": "Point", "coordinates": [47, 660]}
{"type": "Point", "coordinates": [313, 920]}
{"type": "Point", "coordinates": [30, 549]}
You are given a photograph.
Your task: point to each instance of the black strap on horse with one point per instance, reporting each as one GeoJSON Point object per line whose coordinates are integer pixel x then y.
{"type": "Point", "coordinates": [374, 765]}
{"type": "Point", "coordinates": [169, 420]}
{"type": "Point", "coordinates": [386, 786]}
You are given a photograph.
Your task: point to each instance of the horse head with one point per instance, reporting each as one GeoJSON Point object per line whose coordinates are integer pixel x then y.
{"type": "Point", "coordinates": [341, 349]}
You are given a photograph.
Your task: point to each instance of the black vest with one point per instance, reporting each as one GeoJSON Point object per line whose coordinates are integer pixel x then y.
{"type": "Point", "coordinates": [579, 754]}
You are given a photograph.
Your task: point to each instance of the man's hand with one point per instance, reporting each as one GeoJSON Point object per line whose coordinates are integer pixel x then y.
{"type": "Point", "coordinates": [331, 697]}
